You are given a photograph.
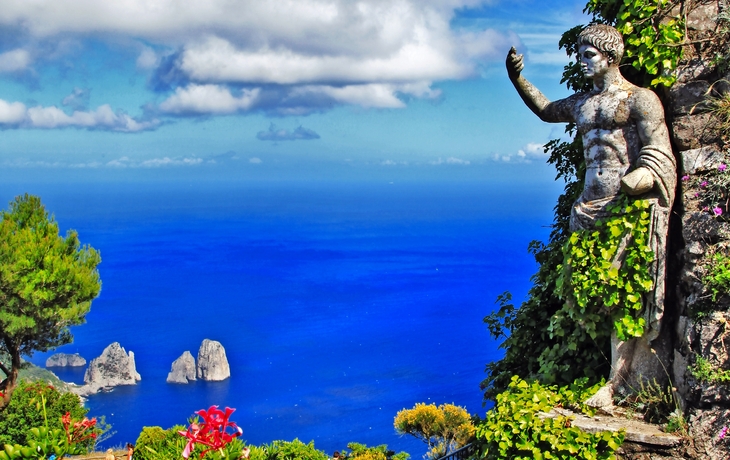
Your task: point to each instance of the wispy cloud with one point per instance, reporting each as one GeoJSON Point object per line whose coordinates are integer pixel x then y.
{"type": "Point", "coordinates": [450, 161]}
{"type": "Point", "coordinates": [276, 134]}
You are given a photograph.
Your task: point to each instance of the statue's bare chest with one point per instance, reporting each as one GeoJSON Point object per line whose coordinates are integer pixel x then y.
{"type": "Point", "coordinates": [603, 111]}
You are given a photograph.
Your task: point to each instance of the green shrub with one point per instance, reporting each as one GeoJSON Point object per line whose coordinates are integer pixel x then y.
{"type": "Point", "coordinates": [287, 450]}
{"type": "Point", "coordinates": [155, 443]}
{"type": "Point", "coordinates": [381, 452]}
{"type": "Point", "coordinates": [25, 411]}
{"type": "Point", "coordinates": [514, 429]}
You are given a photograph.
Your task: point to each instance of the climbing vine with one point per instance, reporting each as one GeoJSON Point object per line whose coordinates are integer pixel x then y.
{"type": "Point", "coordinates": [607, 270]}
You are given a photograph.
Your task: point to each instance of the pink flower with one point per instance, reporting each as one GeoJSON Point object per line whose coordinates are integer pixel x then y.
{"type": "Point", "coordinates": [697, 195]}
{"type": "Point", "coordinates": [685, 178]}
{"type": "Point", "coordinates": [703, 184]}
{"type": "Point", "coordinates": [706, 208]}
{"type": "Point", "coordinates": [723, 432]}
{"type": "Point", "coordinates": [722, 167]}
{"type": "Point", "coordinates": [717, 211]}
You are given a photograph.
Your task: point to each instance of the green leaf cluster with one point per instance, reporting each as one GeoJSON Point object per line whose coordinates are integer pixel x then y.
{"type": "Point", "coordinates": [653, 35]}
{"type": "Point", "coordinates": [606, 270]}
{"type": "Point", "coordinates": [515, 429]}
{"type": "Point", "coordinates": [25, 411]}
{"type": "Point", "coordinates": [717, 279]}
{"type": "Point", "coordinates": [705, 372]}
{"type": "Point", "coordinates": [42, 443]}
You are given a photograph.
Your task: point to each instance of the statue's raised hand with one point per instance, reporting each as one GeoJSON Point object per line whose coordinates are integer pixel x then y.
{"type": "Point", "coordinates": [515, 63]}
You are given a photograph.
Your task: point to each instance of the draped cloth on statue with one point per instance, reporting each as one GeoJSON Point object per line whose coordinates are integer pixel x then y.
{"type": "Point", "coordinates": [585, 213]}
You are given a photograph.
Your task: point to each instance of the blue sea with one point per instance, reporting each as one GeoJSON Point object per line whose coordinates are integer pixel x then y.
{"type": "Point", "coordinates": [339, 303]}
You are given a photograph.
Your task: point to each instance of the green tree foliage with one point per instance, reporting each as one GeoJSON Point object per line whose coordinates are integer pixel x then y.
{"type": "Point", "coordinates": [443, 428]}
{"type": "Point", "coordinates": [25, 411]}
{"type": "Point", "coordinates": [47, 283]}
{"type": "Point", "coordinates": [539, 340]}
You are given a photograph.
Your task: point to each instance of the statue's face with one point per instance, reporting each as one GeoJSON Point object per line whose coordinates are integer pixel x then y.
{"type": "Point", "coordinates": [593, 63]}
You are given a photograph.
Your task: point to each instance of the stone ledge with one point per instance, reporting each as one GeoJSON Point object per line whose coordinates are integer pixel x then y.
{"type": "Point", "coordinates": [636, 430]}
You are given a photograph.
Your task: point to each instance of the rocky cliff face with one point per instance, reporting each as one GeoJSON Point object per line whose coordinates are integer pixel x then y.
{"type": "Point", "coordinates": [113, 368]}
{"type": "Point", "coordinates": [183, 369]}
{"type": "Point", "coordinates": [698, 324]}
{"type": "Point", "coordinates": [65, 360]}
{"type": "Point", "coordinates": [212, 361]}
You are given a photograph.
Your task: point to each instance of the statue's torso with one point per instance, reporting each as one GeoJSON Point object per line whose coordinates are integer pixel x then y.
{"type": "Point", "coordinates": [610, 139]}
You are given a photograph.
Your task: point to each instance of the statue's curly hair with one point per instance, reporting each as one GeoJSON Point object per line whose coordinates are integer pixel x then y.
{"type": "Point", "coordinates": [605, 39]}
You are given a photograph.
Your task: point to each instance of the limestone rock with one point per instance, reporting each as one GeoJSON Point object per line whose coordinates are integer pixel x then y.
{"type": "Point", "coordinates": [212, 362]}
{"type": "Point", "coordinates": [183, 369]}
{"type": "Point", "coordinates": [112, 368]}
{"type": "Point", "coordinates": [65, 360]}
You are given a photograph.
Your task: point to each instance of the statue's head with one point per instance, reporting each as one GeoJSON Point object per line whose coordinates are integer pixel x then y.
{"type": "Point", "coordinates": [605, 39]}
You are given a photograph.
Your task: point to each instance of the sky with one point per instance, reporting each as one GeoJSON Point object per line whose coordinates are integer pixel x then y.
{"type": "Point", "coordinates": [133, 88]}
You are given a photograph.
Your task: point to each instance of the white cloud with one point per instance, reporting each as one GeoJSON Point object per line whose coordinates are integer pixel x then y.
{"type": "Point", "coordinates": [14, 61]}
{"type": "Point", "coordinates": [450, 161]}
{"type": "Point", "coordinates": [17, 115]}
{"type": "Point", "coordinates": [202, 99]}
{"type": "Point", "coordinates": [167, 161]}
{"type": "Point", "coordinates": [255, 160]}
{"type": "Point", "coordinates": [529, 152]}
{"type": "Point", "coordinates": [305, 55]}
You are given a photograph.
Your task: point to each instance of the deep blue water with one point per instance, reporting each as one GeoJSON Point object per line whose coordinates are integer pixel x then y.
{"type": "Point", "coordinates": [338, 303]}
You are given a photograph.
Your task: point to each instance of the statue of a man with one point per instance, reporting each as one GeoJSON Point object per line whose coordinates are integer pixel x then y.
{"type": "Point", "coordinates": [626, 148]}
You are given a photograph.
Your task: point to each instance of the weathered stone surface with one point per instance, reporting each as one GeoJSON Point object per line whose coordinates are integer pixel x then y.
{"type": "Point", "coordinates": [212, 362]}
{"type": "Point", "coordinates": [65, 360]}
{"type": "Point", "coordinates": [693, 131]}
{"type": "Point", "coordinates": [700, 160]}
{"type": "Point", "coordinates": [112, 368]}
{"type": "Point", "coordinates": [685, 98]}
{"type": "Point", "coordinates": [636, 430]}
{"type": "Point", "coordinates": [183, 369]}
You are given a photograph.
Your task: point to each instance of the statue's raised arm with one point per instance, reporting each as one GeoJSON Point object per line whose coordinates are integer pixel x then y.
{"type": "Point", "coordinates": [531, 96]}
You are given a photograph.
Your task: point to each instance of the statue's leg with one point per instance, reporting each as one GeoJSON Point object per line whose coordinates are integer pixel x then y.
{"type": "Point", "coordinates": [622, 355]}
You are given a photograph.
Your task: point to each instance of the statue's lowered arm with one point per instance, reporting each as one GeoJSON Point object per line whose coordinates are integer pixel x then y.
{"type": "Point", "coordinates": [656, 166]}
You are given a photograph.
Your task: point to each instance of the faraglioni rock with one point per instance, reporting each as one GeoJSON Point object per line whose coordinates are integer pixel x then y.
{"type": "Point", "coordinates": [65, 360]}
{"type": "Point", "coordinates": [212, 362]}
{"type": "Point", "coordinates": [183, 369]}
{"type": "Point", "coordinates": [113, 368]}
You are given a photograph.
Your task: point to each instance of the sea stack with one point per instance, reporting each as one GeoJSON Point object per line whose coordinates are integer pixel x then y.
{"type": "Point", "coordinates": [212, 362]}
{"type": "Point", "coordinates": [183, 369]}
{"type": "Point", "coordinates": [113, 368]}
{"type": "Point", "coordinates": [65, 360]}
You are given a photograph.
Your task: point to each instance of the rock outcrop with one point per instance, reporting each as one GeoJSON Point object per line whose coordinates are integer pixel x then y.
{"type": "Point", "coordinates": [113, 368]}
{"type": "Point", "coordinates": [65, 360]}
{"type": "Point", "coordinates": [183, 369]}
{"type": "Point", "coordinates": [212, 362]}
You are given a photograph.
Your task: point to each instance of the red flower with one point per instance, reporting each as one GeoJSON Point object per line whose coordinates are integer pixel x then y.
{"type": "Point", "coordinates": [79, 431]}
{"type": "Point", "coordinates": [211, 431]}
